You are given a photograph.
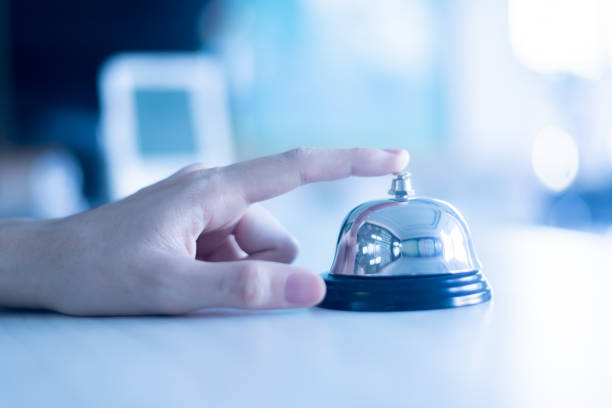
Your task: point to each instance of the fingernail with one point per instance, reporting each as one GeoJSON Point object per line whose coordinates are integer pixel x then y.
{"type": "Point", "coordinates": [303, 288]}
{"type": "Point", "coordinates": [394, 151]}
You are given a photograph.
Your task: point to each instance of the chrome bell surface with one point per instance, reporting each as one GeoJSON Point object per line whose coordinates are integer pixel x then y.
{"type": "Point", "coordinates": [405, 235]}
{"type": "Point", "coordinates": [404, 253]}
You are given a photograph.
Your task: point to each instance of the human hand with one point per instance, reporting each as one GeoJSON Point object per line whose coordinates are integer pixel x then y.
{"type": "Point", "coordinates": [196, 239]}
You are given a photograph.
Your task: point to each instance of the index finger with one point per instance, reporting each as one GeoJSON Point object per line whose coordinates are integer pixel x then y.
{"type": "Point", "coordinates": [267, 177]}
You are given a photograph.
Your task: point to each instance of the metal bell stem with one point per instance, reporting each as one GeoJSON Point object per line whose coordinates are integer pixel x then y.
{"type": "Point", "coordinates": [401, 186]}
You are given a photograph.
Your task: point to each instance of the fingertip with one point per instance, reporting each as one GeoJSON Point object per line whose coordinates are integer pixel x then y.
{"type": "Point", "coordinates": [401, 158]}
{"type": "Point", "coordinates": [304, 288]}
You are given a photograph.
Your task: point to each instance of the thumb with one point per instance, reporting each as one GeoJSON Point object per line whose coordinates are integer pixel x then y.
{"type": "Point", "coordinates": [248, 284]}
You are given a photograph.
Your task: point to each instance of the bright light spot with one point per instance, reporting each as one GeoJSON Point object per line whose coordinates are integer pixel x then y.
{"type": "Point", "coordinates": [459, 245]}
{"type": "Point", "coordinates": [555, 158]}
{"type": "Point", "coordinates": [553, 36]}
{"type": "Point", "coordinates": [447, 244]}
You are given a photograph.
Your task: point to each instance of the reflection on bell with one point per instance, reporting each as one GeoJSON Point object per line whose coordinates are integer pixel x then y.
{"type": "Point", "coordinates": [404, 253]}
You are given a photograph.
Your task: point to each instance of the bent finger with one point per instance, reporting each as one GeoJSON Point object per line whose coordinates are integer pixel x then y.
{"type": "Point", "coordinates": [228, 250]}
{"type": "Point", "coordinates": [263, 237]}
{"type": "Point", "coordinates": [243, 285]}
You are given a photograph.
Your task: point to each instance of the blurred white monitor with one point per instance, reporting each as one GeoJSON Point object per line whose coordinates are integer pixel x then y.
{"type": "Point", "coordinates": [161, 112]}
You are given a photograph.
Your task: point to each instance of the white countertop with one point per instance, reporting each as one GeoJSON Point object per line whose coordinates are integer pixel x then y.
{"type": "Point", "coordinates": [545, 340]}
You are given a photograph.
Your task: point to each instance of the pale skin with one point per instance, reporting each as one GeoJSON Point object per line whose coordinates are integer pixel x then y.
{"type": "Point", "coordinates": [197, 239]}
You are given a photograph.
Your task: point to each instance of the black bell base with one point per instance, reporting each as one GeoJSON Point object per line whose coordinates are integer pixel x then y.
{"type": "Point", "coordinates": [400, 293]}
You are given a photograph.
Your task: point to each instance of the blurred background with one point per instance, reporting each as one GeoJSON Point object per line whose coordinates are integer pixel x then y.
{"type": "Point", "coordinates": [505, 106]}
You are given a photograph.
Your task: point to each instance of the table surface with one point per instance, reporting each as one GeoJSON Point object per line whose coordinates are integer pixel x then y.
{"type": "Point", "coordinates": [543, 341]}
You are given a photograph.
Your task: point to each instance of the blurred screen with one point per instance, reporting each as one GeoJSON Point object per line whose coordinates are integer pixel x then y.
{"type": "Point", "coordinates": [164, 122]}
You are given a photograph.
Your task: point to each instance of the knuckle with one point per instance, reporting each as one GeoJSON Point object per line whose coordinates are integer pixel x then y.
{"type": "Point", "coordinates": [358, 151]}
{"type": "Point", "coordinates": [200, 183]}
{"type": "Point", "coordinates": [290, 248]}
{"type": "Point", "coordinates": [300, 153]}
{"type": "Point", "coordinates": [252, 286]}
{"type": "Point", "coordinates": [215, 177]}
{"type": "Point", "coordinates": [301, 156]}
{"type": "Point", "coordinates": [202, 175]}
{"type": "Point", "coordinates": [195, 167]}
{"type": "Point", "coordinates": [190, 169]}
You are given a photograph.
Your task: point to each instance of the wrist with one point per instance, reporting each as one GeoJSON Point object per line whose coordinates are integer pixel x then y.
{"type": "Point", "coordinates": [20, 280]}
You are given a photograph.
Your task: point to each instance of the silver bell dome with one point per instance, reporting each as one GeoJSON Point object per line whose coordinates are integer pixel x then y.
{"type": "Point", "coordinates": [405, 235]}
{"type": "Point", "coordinates": [404, 253]}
